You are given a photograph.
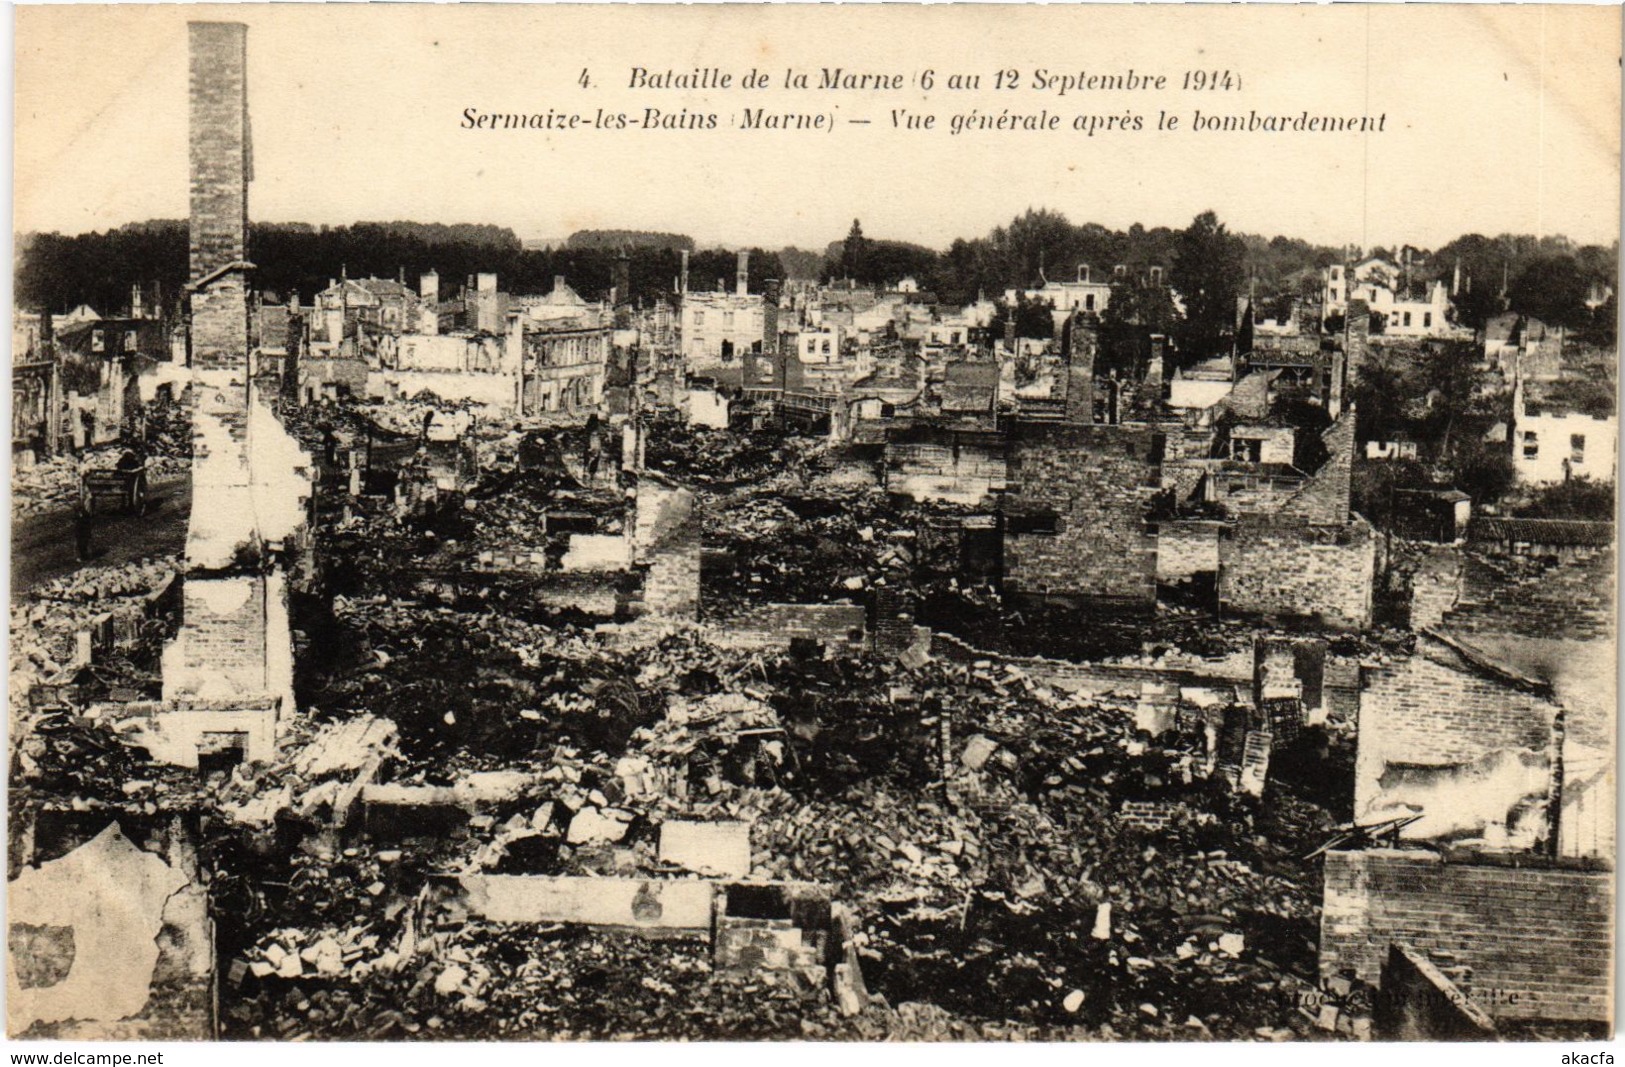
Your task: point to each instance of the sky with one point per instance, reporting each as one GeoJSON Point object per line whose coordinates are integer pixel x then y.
{"type": "Point", "coordinates": [1498, 119]}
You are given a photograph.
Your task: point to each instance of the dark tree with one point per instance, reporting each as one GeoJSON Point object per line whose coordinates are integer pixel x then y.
{"type": "Point", "coordinates": [1576, 498]}
{"type": "Point", "coordinates": [855, 253]}
{"type": "Point", "coordinates": [1033, 318]}
{"type": "Point", "coordinates": [1206, 272]}
{"type": "Point", "coordinates": [1553, 290]}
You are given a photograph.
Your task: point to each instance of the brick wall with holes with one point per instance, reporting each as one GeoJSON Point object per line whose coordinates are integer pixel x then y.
{"type": "Point", "coordinates": [1098, 480]}
{"type": "Point", "coordinates": [1538, 940]}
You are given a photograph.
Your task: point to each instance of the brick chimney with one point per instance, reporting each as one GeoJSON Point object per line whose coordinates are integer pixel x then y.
{"type": "Point", "coordinates": [742, 275]}
{"type": "Point", "coordinates": [1082, 340]}
{"type": "Point", "coordinates": [623, 279]}
{"type": "Point", "coordinates": [1356, 335]}
{"type": "Point", "coordinates": [221, 168]}
{"type": "Point", "coordinates": [770, 316]}
{"type": "Point", "coordinates": [682, 279]}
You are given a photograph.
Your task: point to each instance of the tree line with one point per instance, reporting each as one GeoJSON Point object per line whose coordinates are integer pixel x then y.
{"type": "Point", "coordinates": [1550, 278]}
{"type": "Point", "coordinates": [57, 272]}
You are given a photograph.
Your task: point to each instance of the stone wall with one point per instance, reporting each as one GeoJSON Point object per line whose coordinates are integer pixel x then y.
{"type": "Point", "coordinates": [1435, 585]}
{"type": "Point", "coordinates": [1324, 498]}
{"type": "Point", "coordinates": [1538, 940]}
{"type": "Point", "coordinates": [1356, 335]}
{"type": "Point", "coordinates": [1187, 548]}
{"type": "Point", "coordinates": [1098, 481]}
{"type": "Point", "coordinates": [1573, 599]}
{"type": "Point", "coordinates": [1298, 572]}
{"type": "Point", "coordinates": [1419, 1003]}
{"type": "Point", "coordinates": [1080, 342]}
{"type": "Point", "coordinates": [834, 626]}
{"type": "Point", "coordinates": [923, 463]}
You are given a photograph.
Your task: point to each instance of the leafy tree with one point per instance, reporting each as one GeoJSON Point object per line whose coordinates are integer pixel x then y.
{"type": "Point", "coordinates": [1378, 393]}
{"type": "Point", "coordinates": [800, 263]}
{"type": "Point", "coordinates": [1206, 272]}
{"type": "Point", "coordinates": [1603, 328]}
{"type": "Point", "coordinates": [1481, 470]}
{"type": "Point", "coordinates": [855, 253]}
{"type": "Point", "coordinates": [1374, 487]}
{"type": "Point", "coordinates": [1576, 498]}
{"type": "Point", "coordinates": [615, 240]}
{"type": "Point", "coordinates": [1033, 318]}
{"type": "Point", "coordinates": [1553, 290]}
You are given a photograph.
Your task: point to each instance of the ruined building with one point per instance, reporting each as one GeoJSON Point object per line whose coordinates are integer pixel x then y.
{"type": "Point", "coordinates": [1490, 751]}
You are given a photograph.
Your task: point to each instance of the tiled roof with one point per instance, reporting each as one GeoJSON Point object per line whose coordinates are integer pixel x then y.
{"type": "Point", "coordinates": [1542, 531]}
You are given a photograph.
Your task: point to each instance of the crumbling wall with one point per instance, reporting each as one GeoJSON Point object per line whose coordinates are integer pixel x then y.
{"type": "Point", "coordinates": [1098, 481]}
{"type": "Point", "coordinates": [1465, 749]}
{"type": "Point", "coordinates": [220, 651]}
{"type": "Point", "coordinates": [1539, 940]}
{"type": "Point", "coordinates": [1324, 498]}
{"type": "Point", "coordinates": [1435, 585]}
{"type": "Point", "coordinates": [595, 593]}
{"type": "Point", "coordinates": [1252, 491]}
{"type": "Point", "coordinates": [657, 904]}
{"type": "Point", "coordinates": [1291, 570]}
{"type": "Point", "coordinates": [1574, 600]}
{"type": "Point", "coordinates": [1419, 1003]}
{"type": "Point", "coordinates": [667, 538]}
{"type": "Point", "coordinates": [834, 626]}
{"type": "Point", "coordinates": [109, 935]}
{"type": "Point", "coordinates": [498, 391]}
{"type": "Point", "coordinates": [924, 464]}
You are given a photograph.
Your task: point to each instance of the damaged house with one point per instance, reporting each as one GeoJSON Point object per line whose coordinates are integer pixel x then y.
{"type": "Point", "coordinates": [1489, 753]}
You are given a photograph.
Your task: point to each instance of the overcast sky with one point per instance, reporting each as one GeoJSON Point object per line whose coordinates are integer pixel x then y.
{"type": "Point", "coordinates": [1498, 119]}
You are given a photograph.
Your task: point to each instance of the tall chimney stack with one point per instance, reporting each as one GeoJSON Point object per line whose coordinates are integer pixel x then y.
{"type": "Point", "coordinates": [742, 275]}
{"type": "Point", "coordinates": [221, 166]}
{"type": "Point", "coordinates": [623, 279]}
{"type": "Point", "coordinates": [682, 285]}
{"type": "Point", "coordinates": [1356, 334]}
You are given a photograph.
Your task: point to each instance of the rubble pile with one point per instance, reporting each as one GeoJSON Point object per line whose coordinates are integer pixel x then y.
{"type": "Point", "coordinates": [991, 833]}
{"type": "Point", "coordinates": [46, 624]}
{"type": "Point", "coordinates": [719, 459]}
{"type": "Point", "coordinates": [167, 429]}
{"type": "Point", "coordinates": [765, 547]}
{"type": "Point", "coordinates": [1022, 862]}
{"type": "Point", "coordinates": [997, 878]}
{"type": "Point", "coordinates": [515, 512]}
{"type": "Point", "coordinates": [485, 981]}
{"type": "Point", "coordinates": [407, 417]}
